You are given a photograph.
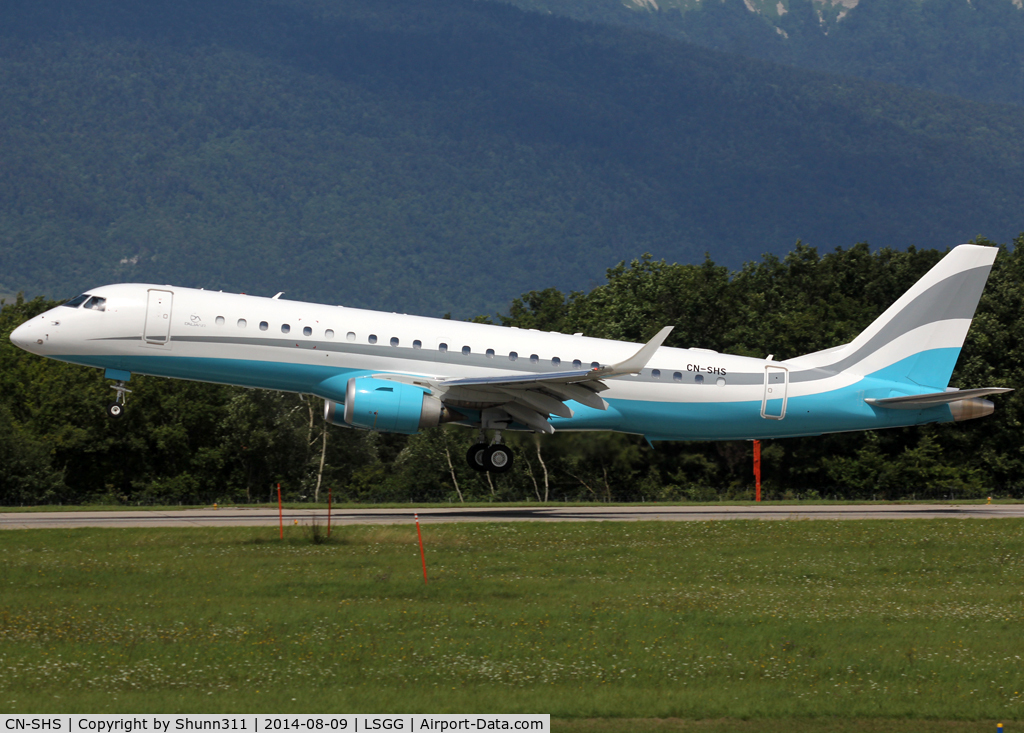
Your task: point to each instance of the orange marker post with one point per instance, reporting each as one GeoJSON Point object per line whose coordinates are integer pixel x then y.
{"type": "Point", "coordinates": [280, 511]}
{"type": "Point", "coordinates": [328, 512]}
{"type": "Point", "coordinates": [757, 470]}
{"type": "Point", "coordinates": [422, 553]}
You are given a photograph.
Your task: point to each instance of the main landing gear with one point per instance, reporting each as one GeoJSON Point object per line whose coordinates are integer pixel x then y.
{"type": "Point", "coordinates": [493, 458]}
{"type": "Point", "coordinates": [115, 409]}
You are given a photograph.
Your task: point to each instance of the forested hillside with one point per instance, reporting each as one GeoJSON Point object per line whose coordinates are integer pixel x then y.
{"type": "Point", "coordinates": [446, 156]}
{"type": "Point", "coordinates": [189, 442]}
{"type": "Point", "coordinates": [970, 48]}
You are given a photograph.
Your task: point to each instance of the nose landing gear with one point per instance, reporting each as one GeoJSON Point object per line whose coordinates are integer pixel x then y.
{"type": "Point", "coordinates": [115, 409]}
{"type": "Point", "coordinates": [493, 458]}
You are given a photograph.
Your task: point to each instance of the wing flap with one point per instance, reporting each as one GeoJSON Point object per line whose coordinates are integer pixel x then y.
{"type": "Point", "coordinates": [539, 402]}
{"type": "Point", "coordinates": [584, 395]}
{"type": "Point", "coordinates": [528, 417]}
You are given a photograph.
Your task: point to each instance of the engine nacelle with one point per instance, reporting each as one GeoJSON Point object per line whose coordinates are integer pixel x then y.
{"type": "Point", "coordinates": [390, 407]}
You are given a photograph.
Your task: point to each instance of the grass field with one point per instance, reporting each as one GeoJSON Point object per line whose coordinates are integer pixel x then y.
{"type": "Point", "coordinates": [712, 626]}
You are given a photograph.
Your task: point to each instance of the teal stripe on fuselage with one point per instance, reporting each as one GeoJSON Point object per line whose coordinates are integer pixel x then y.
{"type": "Point", "coordinates": [828, 412]}
{"type": "Point", "coordinates": [835, 411]}
{"type": "Point", "coordinates": [324, 381]}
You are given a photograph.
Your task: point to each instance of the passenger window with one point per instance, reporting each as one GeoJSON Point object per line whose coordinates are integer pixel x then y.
{"type": "Point", "coordinates": [373, 338]}
{"type": "Point", "coordinates": [594, 365]}
{"type": "Point", "coordinates": [677, 376]}
{"type": "Point", "coordinates": [443, 348]}
{"type": "Point", "coordinates": [96, 304]}
{"type": "Point", "coordinates": [220, 320]}
{"type": "Point", "coordinates": [699, 379]}
{"type": "Point", "coordinates": [264, 325]}
{"type": "Point", "coordinates": [490, 353]}
{"type": "Point", "coordinates": [465, 350]}
{"type": "Point", "coordinates": [350, 336]}
{"type": "Point", "coordinates": [76, 301]}
{"type": "Point", "coordinates": [534, 359]}
{"type": "Point", "coordinates": [285, 328]}
{"type": "Point", "coordinates": [720, 381]}
{"type": "Point", "coordinates": [394, 341]}
{"type": "Point", "coordinates": [577, 364]}
{"type": "Point", "coordinates": [656, 373]}
{"type": "Point", "coordinates": [417, 344]}
{"type": "Point", "coordinates": [241, 323]}
{"type": "Point", "coordinates": [512, 356]}
{"type": "Point", "coordinates": [307, 331]}
{"type": "Point", "coordinates": [329, 333]}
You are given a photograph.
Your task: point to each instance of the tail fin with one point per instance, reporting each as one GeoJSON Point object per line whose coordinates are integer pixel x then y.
{"type": "Point", "coordinates": [918, 339]}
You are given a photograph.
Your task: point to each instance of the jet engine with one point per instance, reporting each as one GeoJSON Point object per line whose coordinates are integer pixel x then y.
{"type": "Point", "coordinates": [390, 407]}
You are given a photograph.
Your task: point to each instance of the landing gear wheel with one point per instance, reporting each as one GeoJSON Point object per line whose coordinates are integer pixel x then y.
{"type": "Point", "coordinates": [116, 408]}
{"type": "Point", "coordinates": [497, 459]}
{"type": "Point", "coordinates": [475, 457]}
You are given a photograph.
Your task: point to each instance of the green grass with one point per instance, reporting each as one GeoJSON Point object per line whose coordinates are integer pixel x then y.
{"type": "Point", "coordinates": [738, 625]}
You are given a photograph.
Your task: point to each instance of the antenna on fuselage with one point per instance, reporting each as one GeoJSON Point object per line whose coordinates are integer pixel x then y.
{"type": "Point", "coordinates": [278, 295]}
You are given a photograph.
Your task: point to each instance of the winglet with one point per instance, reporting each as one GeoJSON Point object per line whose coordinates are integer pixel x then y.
{"type": "Point", "coordinates": [635, 363]}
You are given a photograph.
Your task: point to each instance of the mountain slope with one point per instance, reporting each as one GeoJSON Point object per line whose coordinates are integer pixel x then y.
{"type": "Point", "coordinates": [447, 156]}
{"type": "Point", "coordinates": [969, 48]}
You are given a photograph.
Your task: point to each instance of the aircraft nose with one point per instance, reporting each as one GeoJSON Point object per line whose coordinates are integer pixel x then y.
{"type": "Point", "coordinates": [22, 336]}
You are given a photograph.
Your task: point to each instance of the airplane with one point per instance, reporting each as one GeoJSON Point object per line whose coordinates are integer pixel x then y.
{"type": "Point", "coordinates": [399, 373]}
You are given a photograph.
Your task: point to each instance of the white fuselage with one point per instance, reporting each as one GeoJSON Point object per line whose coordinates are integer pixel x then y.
{"type": "Point", "coordinates": [310, 348]}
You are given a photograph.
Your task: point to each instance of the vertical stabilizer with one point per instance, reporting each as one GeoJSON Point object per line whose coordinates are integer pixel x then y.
{"type": "Point", "coordinates": [918, 338]}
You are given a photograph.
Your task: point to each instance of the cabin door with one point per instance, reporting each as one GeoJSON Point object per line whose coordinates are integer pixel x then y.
{"type": "Point", "coordinates": [776, 382]}
{"type": "Point", "coordinates": [158, 317]}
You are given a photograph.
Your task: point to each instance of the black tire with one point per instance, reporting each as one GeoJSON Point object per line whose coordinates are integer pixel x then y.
{"type": "Point", "coordinates": [115, 410]}
{"type": "Point", "coordinates": [498, 459]}
{"type": "Point", "coordinates": [475, 457]}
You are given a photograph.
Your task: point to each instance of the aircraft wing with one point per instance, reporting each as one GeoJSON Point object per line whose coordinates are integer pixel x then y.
{"type": "Point", "coordinates": [532, 398]}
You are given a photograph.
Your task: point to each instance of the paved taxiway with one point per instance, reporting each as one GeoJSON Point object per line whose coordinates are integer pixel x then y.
{"type": "Point", "coordinates": [234, 516]}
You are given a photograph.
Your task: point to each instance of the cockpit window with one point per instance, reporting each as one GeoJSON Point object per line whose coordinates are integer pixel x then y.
{"type": "Point", "coordinates": [96, 304]}
{"type": "Point", "coordinates": [77, 301]}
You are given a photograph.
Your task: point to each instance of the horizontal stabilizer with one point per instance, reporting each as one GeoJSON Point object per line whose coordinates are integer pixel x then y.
{"type": "Point", "coordinates": [922, 401]}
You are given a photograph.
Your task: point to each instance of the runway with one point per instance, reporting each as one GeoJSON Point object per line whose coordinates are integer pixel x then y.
{"type": "Point", "coordinates": [240, 517]}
